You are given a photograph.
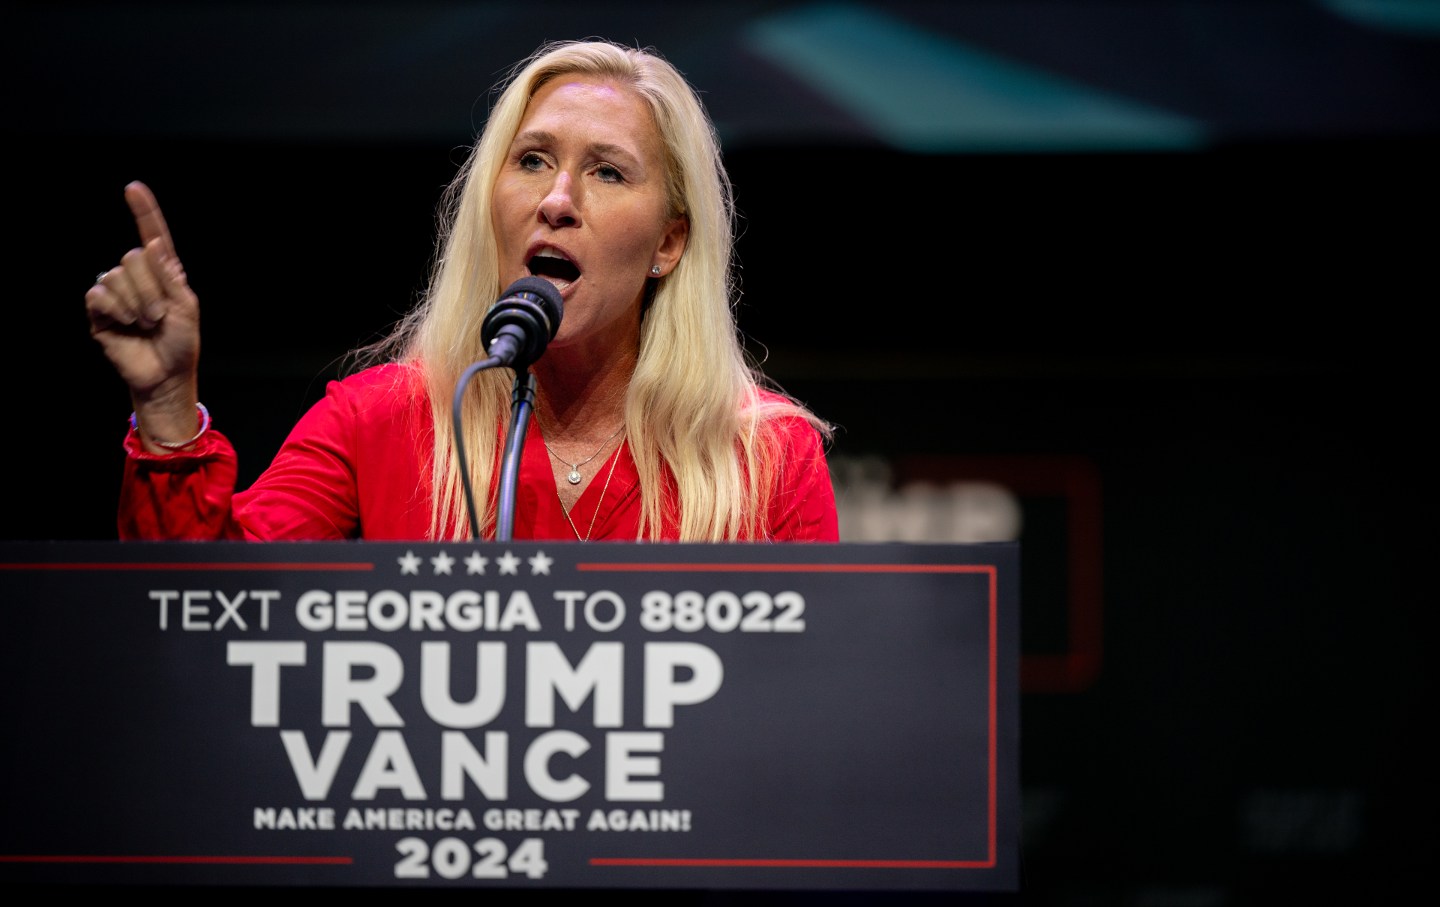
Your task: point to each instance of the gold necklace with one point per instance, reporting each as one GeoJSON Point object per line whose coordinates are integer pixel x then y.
{"type": "Point", "coordinates": [573, 476]}
{"type": "Point", "coordinates": [614, 460]}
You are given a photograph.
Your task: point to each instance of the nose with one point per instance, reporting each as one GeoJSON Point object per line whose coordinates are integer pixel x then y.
{"type": "Point", "coordinates": [558, 207]}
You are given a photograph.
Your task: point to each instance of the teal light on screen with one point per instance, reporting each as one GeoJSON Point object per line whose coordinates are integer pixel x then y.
{"type": "Point", "coordinates": [926, 93]}
{"type": "Point", "coordinates": [1413, 17]}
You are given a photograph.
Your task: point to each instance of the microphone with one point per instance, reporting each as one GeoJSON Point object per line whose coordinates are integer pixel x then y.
{"type": "Point", "coordinates": [519, 326]}
{"type": "Point", "coordinates": [516, 330]}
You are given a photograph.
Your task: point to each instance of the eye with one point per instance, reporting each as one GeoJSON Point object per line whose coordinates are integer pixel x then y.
{"type": "Point", "coordinates": [609, 174]}
{"type": "Point", "coordinates": [531, 161]}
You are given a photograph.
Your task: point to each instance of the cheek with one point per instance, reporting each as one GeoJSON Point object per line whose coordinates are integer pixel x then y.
{"type": "Point", "coordinates": [501, 206]}
{"type": "Point", "coordinates": [642, 237]}
{"type": "Point", "coordinates": [509, 202]}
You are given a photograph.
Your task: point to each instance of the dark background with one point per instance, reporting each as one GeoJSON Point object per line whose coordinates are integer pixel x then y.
{"type": "Point", "coordinates": [1221, 310]}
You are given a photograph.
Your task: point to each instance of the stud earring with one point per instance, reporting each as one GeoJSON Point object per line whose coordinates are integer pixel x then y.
{"type": "Point", "coordinates": [655, 269]}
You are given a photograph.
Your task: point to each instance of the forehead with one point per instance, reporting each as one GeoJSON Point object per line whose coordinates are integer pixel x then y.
{"type": "Point", "coordinates": [595, 108]}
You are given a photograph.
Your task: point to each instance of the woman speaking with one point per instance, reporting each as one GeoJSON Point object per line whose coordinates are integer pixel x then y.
{"type": "Point", "coordinates": [598, 171]}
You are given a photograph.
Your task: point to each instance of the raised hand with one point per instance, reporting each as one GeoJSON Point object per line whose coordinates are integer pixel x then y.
{"type": "Point", "coordinates": [147, 319]}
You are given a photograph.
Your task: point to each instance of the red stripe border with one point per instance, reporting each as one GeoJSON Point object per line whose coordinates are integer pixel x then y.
{"type": "Point", "coordinates": [206, 860]}
{"type": "Point", "coordinates": [989, 571]}
{"type": "Point", "coordinates": [357, 566]}
{"type": "Point", "coordinates": [793, 864]}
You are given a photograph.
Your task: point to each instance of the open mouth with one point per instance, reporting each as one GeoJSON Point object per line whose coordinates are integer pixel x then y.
{"type": "Point", "coordinates": [554, 267]}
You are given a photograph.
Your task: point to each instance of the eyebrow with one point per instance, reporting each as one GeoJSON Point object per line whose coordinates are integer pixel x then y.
{"type": "Point", "coordinates": [601, 149]}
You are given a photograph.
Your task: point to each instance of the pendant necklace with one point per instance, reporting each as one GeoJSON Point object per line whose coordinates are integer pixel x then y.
{"type": "Point", "coordinates": [573, 476]}
{"type": "Point", "coordinates": [614, 459]}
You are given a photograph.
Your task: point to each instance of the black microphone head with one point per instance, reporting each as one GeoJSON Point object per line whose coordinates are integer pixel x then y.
{"type": "Point", "coordinates": [532, 308]}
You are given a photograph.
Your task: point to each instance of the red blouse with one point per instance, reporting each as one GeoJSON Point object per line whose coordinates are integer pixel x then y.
{"type": "Point", "coordinates": [357, 466]}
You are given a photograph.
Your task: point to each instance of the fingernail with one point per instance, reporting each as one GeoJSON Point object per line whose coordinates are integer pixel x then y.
{"type": "Point", "coordinates": [154, 313]}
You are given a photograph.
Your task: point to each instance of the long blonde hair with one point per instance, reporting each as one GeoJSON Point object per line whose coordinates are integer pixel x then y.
{"type": "Point", "coordinates": [695, 418]}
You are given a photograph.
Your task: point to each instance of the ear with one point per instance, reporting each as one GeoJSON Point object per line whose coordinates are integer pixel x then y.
{"type": "Point", "coordinates": [672, 245]}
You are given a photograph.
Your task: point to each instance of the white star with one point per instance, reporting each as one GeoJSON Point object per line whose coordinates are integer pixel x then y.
{"type": "Point", "coordinates": [540, 563]}
{"type": "Point", "coordinates": [443, 562]}
{"type": "Point", "coordinates": [475, 563]}
{"type": "Point", "coordinates": [508, 563]}
{"type": "Point", "coordinates": [409, 564]}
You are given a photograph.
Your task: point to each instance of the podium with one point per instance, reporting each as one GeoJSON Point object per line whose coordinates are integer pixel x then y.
{"type": "Point", "coordinates": [518, 715]}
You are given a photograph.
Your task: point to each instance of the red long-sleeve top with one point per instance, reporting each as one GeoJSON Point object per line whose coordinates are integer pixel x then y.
{"type": "Point", "coordinates": [357, 465]}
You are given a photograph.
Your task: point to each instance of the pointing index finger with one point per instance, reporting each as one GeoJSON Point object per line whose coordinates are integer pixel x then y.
{"type": "Point", "coordinates": [148, 218]}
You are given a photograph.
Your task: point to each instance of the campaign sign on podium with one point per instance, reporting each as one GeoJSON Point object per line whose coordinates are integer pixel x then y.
{"type": "Point", "coordinates": [516, 715]}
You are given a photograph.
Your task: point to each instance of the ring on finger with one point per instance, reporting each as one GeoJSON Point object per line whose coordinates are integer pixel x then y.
{"type": "Point", "coordinates": [100, 278]}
